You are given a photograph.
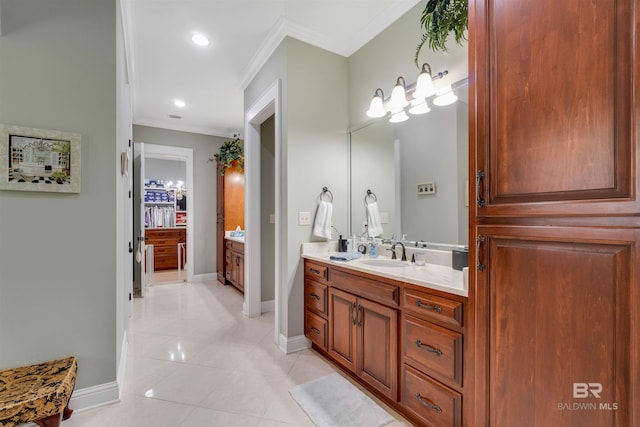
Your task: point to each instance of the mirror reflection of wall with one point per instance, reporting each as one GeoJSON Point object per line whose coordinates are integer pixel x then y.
{"type": "Point", "coordinates": [391, 159]}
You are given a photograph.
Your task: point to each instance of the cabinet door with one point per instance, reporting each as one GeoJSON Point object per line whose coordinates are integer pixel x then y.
{"type": "Point", "coordinates": [342, 328]}
{"type": "Point", "coordinates": [378, 347]}
{"type": "Point", "coordinates": [555, 114]}
{"type": "Point", "coordinates": [559, 340]}
{"type": "Point", "coordinates": [240, 270]}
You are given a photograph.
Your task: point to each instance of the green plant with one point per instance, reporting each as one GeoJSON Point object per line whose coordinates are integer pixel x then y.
{"type": "Point", "coordinates": [230, 152]}
{"type": "Point", "coordinates": [59, 176]}
{"type": "Point", "coordinates": [439, 18]}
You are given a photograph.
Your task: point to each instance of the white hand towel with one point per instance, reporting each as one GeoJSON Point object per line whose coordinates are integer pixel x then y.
{"type": "Point", "coordinates": [322, 224]}
{"type": "Point", "coordinates": [374, 225]}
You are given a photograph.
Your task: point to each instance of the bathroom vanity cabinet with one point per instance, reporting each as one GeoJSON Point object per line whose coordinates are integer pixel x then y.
{"type": "Point", "coordinates": [555, 231]}
{"type": "Point", "coordinates": [402, 341]}
{"type": "Point", "coordinates": [234, 264]}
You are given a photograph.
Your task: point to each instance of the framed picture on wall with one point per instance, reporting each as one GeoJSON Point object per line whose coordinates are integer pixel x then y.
{"type": "Point", "coordinates": [39, 160]}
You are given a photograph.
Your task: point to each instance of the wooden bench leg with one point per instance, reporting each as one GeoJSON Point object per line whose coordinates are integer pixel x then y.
{"type": "Point", "coordinates": [66, 414]}
{"type": "Point", "coordinates": [50, 421]}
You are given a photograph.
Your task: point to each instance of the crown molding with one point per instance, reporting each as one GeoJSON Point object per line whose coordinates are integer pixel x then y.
{"type": "Point", "coordinates": [287, 28]}
{"type": "Point", "coordinates": [185, 128]}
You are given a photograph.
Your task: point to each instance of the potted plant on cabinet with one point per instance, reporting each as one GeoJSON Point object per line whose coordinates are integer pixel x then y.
{"type": "Point", "coordinates": [439, 18]}
{"type": "Point", "coordinates": [231, 154]}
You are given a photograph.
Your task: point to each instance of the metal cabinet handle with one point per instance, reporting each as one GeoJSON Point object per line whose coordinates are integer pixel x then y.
{"type": "Point", "coordinates": [316, 330]}
{"type": "Point", "coordinates": [314, 296]}
{"type": "Point", "coordinates": [360, 310]}
{"type": "Point", "coordinates": [479, 242]}
{"type": "Point", "coordinates": [429, 404]}
{"type": "Point", "coordinates": [313, 270]}
{"type": "Point", "coordinates": [479, 199]}
{"type": "Point", "coordinates": [354, 314]}
{"type": "Point", "coordinates": [435, 308]}
{"type": "Point", "coordinates": [429, 348]}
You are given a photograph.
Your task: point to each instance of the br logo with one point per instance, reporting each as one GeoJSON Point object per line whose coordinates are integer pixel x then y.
{"type": "Point", "coordinates": [584, 390]}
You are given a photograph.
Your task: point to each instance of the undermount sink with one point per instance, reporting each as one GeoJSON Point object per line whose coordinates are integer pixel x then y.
{"type": "Point", "coordinates": [383, 263]}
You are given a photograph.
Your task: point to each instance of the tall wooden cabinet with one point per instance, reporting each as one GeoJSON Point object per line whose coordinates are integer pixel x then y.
{"type": "Point", "coordinates": [554, 149]}
{"type": "Point", "coordinates": [229, 210]}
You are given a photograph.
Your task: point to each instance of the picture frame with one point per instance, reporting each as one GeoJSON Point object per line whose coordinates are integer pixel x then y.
{"type": "Point", "coordinates": [39, 159]}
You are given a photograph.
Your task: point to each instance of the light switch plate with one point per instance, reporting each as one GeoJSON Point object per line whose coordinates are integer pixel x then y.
{"type": "Point", "coordinates": [428, 187]}
{"type": "Point", "coordinates": [272, 218]}
{"type": "Point", "coordinates": [384, 217]}
{"type": "Point", "coordinates": [304, 218]}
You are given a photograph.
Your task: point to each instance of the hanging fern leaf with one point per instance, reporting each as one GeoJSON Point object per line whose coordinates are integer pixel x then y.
{"type": "Point", "coordinates": [439, 18]}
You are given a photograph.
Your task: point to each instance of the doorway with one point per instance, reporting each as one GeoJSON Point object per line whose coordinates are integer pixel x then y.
{"type": "Point", "coordinates": [163, 214]}
{"type": "Point", "coordinates": [265, 108]}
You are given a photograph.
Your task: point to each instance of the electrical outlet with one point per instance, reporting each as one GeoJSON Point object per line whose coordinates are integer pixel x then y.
{"type": "Point", "coordinates": [428, 187]}
{"type": "Point", "coordinates": [304, 218]}
{"type": "Point", "coordinates": [384, 217]}
{"type": "Point", "coordinates": [272, 218]}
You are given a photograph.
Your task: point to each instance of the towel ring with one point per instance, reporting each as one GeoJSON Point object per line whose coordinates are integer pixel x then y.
{"type": "Point", "coordinates": [371, 196]}
{"type": "Point", "coordinates": [325, 190]}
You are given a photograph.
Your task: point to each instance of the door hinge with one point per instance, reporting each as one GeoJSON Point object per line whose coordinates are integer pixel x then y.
{"type": "Point", "coordinates": [129, 296]}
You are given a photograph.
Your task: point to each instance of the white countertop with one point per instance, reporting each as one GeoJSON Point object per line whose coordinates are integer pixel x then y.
{"type": "Point", "coordinates": [433, 276]}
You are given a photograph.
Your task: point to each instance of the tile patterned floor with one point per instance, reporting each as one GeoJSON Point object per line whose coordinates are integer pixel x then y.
{"type": "Point", "coordinates": [195, 361]}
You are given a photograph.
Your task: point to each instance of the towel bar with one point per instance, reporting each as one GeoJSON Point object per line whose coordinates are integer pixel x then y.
{"type": "Point", "coordinates": [325, 190]}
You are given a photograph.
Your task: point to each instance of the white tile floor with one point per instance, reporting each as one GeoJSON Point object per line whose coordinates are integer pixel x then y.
{"type": "Point", "coordinates": [195, 360]}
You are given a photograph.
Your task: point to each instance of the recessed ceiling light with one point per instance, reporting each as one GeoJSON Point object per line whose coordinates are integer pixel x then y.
{"type": "Point", "coordinates": [200, 40]}
{"type": "Point", "coordinates": [179, 103]}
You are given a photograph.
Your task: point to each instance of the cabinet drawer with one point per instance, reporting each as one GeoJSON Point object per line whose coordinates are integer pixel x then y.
{"type": "Point", "coordinates": [236, 246]}
{"type": "Point", "coordinates": [370, 288]}
{"type": "Point", "coordinates": [433, 348]}
{"type": "Point", "coordinates": [316, 329]}
{"type": "Point", "coordinates": [165, 250]}
{"type": "Point", "coordinates": [433, 307]}
{"type": "Point", "coordinates": [318, 272]}
{"type": "Point", "coordinates": [315, 296]}
{"type": "Point", "coordinates": [432, 402]}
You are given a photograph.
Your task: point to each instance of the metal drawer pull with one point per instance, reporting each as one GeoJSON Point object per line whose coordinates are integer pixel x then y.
{"type": "Point", "coordinates": [313, 270]}
{"type": "Point", "coordinates": [436, 308]}
{"type": "Point", "coordinates": [479, 199]}
{"type": "Point", "coordinates": [429, 348]}
{"type": "Point", "coordinates": [429, 404]}
{"type": "Point", "coordinates": [316, 330]}
{"type": "Point", "coordinates": [354, 318]}
{"type": "Point", "coordinates": [479, 242]}
{"type": "Point", "coordinates": [314, 296]}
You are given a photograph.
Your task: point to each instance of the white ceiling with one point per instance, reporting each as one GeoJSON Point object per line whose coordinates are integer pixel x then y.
{"type": "Point", "coordinates": [165, 65]}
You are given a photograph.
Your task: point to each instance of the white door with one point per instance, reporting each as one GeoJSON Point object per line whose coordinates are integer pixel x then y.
{"type": "Point", "coordinates": [143, 259]}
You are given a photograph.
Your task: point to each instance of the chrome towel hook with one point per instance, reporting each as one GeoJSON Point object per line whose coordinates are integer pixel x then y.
{"type": "Point", "coordinates": [326, 192]}
{"type": "Point", "coordinates": [370, 197]}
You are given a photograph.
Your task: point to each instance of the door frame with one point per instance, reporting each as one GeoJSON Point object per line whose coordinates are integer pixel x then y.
{"type": "Point", "coordinates": [269, 104]}
{"type": "Point", "coordinates": [167, 152]}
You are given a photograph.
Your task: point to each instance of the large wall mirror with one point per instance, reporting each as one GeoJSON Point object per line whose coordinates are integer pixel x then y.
{"type": "Point", "coordinates": [397, 161]}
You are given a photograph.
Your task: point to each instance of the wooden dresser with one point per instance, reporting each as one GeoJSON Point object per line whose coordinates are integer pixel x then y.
{"type": "Point", "coordinates": [234, 264]}
{"type": "Point", "coordinates": [165, 246]}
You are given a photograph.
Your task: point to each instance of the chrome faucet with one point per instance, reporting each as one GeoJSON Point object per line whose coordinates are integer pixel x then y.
{"type": "Point", "coordinates": [393, 251]}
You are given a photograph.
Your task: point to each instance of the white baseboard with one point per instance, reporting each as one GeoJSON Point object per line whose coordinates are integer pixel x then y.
{"type": "Point", "coordinates": [122, 365]}
{"type": "Point", "coordinates": [205, 277]}
{"type": "Point", "coordinates": [267, 306]}
{"type": "Point", "coordinates": [95, 396]}
{"type": "Point", "coordinates": [293, 344]}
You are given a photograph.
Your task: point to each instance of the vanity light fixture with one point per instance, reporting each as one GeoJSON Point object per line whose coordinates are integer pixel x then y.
{"type": "Point", "coordinates": [424, 84]}
{"type": "Point", "coordinates": [399, 117]}
{"type": "Point", "coordinates": [200, 40]}
{"type": "Point", "coordinates": [398, 95]}
{"type": "Point", "coordinates": [419, 92]}
{"type": "Point", "coordinates": [376, 108]}
{"type": "Point", "coordinates": [445, 96]}
{"type": "Point", "coordinates": [419, 106]}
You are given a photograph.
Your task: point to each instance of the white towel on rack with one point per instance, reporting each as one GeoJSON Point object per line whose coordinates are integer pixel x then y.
{"type": "Point", "coordinates": [322, 224]}
{"type": "Point", "coordinates": [374, 225]}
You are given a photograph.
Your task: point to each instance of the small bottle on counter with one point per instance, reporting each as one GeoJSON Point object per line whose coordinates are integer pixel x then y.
{"type": "Point", "coordinates": [373, 249]}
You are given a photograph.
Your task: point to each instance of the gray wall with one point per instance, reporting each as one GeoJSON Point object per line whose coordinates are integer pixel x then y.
{"type": "Point", "coordinates": [313, 149]}
{"type": "Point", "coordinates": [204, 191]}
{"type": "Point", "coordinates": [166, 170]}
{"type": "Point", "coordinates": [58, 251]}
{"type": "Point", "coordinates": [267, 208]}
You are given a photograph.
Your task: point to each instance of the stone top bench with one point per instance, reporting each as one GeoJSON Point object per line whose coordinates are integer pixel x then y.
{"type": "Point", "coordinates": [37, 393]}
